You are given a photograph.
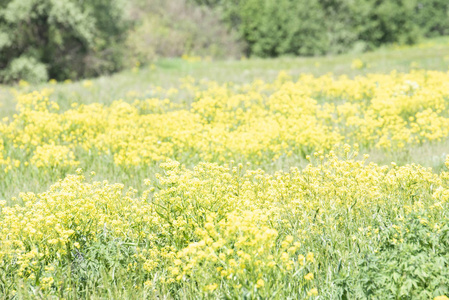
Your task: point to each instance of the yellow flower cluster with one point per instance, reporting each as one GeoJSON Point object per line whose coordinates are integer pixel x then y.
{"type": "Point", "coordinates": [258, 122]}
{"type": "Point", "coordinates": [219, 226]}
{"type": "Point", "coordinates": [357, 64]}
{"type": "Point", "coordinates": [242, 250]}
{"type": "Point", "coordinates": [53, 156]}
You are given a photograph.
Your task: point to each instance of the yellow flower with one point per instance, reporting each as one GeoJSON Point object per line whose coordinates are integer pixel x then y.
{"type": "Point", "coordinates": [211, 287]}
{"type": "Point", "coordinates": [260, 283]}
{"type": "Point", "coordinates": [357, 64]}
{"type": "Point", "coordinates": [308, 276]}
{"type": "Point", "coordinates": [309, 257]}
{"type": "Point", "coordinates": [148, 283]}
{"type": "Point", "coordinates": [177, 262]}
{"type": "Point", "coordinates": [301, 259]}
{"type": "Point", "coordinates": [313, 292]}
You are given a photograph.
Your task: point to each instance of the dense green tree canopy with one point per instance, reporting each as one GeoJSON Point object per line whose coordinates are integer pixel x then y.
{"type": "Point", "coordinates": [310, 27]}
{"type": "Point", "coordinates": [60, 39]}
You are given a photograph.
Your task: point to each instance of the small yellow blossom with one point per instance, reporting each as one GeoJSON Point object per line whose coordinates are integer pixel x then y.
{"type": "Point", "coordinates": [309, 257]}
{"type": "Point", "coordinates": [212, 287]}
{"type": "Point", "coordinates": [309, 276]}
{"type": "Point", "coordinates": [260, 283]}
{"type": "Point", "coordinates": [313, 292]}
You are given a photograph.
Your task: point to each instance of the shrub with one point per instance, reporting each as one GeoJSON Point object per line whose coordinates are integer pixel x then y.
{"type": "Point", "coordinates": [174, 28]}
{"type": "Point", "coordinates": [26, 68]}
{"type": "Point", "coordinates": [65, 39]}
{"type": "Point", "coordinates": [388, 22]}
{"type": "Point", "coordinates": [273, 28]}
{"type": "Point", "coordinates": [433, 17]}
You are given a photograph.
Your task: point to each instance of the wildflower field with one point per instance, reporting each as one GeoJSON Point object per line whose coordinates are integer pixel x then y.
{"type": "Point", "coordinates": [300, 187]}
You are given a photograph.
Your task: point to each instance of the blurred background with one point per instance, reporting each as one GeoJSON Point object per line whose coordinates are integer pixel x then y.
{"type": "Point", "coordinates": [72, 39]}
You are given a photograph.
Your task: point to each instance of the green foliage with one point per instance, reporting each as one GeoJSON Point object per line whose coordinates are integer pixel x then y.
{"type": "Point", "coordinates": [273, 28]}
{"type": "Point", "coordinates": [411, 263]}
{"type": "Point", "coordinates": [65, 38]}
{"type": "Point", "coordinates": [102, 265]}
{"type": "Point", "coordinates": [390, 22]}
{"type": "Point", "coordinates": [74, 39]}
{"type": "Point", "coordinates": [26, 68]}
{"type": "Point", "coordinates": [174, 28]}
{"type": "Point", "coordinates": [433, 17]}
{"type": "Point", "coordinates": [99, 270]}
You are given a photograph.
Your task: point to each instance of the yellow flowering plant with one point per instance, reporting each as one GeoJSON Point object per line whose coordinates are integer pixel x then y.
{"type": "Point", "coordinates": [256, 190]}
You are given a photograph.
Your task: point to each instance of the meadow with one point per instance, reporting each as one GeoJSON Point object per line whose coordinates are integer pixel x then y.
{"type": "Point", "coordinates": [287, 178]}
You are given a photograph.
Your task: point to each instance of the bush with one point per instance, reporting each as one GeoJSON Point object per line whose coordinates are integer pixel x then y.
{"type": "Point", "coordinates": [273, 28]}
{"type": "Point", "coordinates": [174, 28]}
{"type": "Point", "coordinates": [26, 68]}
{"type": "Point", "coordinates": [388, 22]}
{"type": "Point", "coordinates": [64, 38]}
{"type": "Point", "coordinates": [433, 17]}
